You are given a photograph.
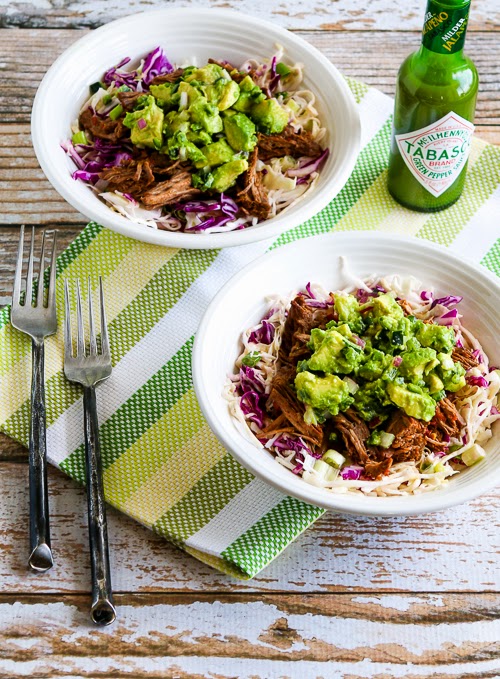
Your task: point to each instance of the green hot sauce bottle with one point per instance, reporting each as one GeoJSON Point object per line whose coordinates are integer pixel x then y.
{"type": "Point", "coordinates": [433, 113]}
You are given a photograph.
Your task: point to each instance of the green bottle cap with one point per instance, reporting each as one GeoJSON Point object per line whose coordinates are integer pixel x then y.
{"type": "Point", "coordinates": [445, 26]}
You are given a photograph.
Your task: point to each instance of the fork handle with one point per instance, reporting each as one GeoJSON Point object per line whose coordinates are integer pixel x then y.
{"type": "Point", "coordinates": [102, 610]}
{"type": "Point", "coordinates": [40, 559]}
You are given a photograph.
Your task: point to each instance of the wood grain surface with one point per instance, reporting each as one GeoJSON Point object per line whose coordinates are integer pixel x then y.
{"type": "Point", "coordinates": [353, 597]}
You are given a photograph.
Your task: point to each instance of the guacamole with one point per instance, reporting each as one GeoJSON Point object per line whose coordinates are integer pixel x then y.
{"type": "Point", "coordinates": [374, 358]}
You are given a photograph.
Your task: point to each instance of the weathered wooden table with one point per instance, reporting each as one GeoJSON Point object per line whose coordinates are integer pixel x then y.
{"type": "Point", "coordinates": [353, 597]}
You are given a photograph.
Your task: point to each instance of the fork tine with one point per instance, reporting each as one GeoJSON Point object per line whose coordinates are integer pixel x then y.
{"type": "Point", "coordinates": [92, 342]}
{"type": "Point", "coordinates": [41, 271]}
{"type": "Point", "coordinates": [16, 292]}
{"type": "Point", "coordinates": [80, 337]}
{"type": "Point", "coordinates": [51, 301]}
{"type": "Point", "coordinates": [29, 277]}
{"type": "Point", "coordinates": [68, 343]}
{"type": "Point", "coordinates": [104, 326]}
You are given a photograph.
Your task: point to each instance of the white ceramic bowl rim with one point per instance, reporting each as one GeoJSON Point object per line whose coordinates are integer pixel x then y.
{"type": "Point", "coordinates": [55, 164]}
{"type": "Point", "coordinates": [244, 451]}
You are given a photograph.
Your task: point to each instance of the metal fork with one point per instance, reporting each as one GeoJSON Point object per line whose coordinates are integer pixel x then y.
{"type": "Point", "coordinates": [88, 369]}
{"type": "Point", "coordinates": [38, 321]}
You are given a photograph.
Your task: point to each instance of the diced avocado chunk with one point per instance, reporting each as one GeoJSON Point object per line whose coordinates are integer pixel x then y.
{"type": "Point", "coordinates": [454, 378]}
{"type": "Point", "coordinates": [146, 124]}
{"type": "Point", "coordinates": [176, 122]}
{"type": "Point", "coordinates": [417, 363]}
{"type": "Point", "coordinates": [166, 94]}
{"type": "Point", "coordinates": [223, 93]}
{"type": "Point", "coordinates": [217, 153]}
{"type": "Point", "coordinates": [180, 146]}
{"type": "Point", "coordinates": [198, 137]}
{"type": "Point", "coordinates": [438, 337]}
{"type": "Point", "coordinates": [206, 75]}
{"type": "Point", "coordinates": [325, 394]}
{"type": "Point", "coordinates": [385, 305]}
{"type": "Point", "coordinates": [206, 114]}
{"type": "Point", "coordinates": [335, 354]}
{"type": "Point", "coordinates": [190, 92]}
{"type": "Point", "coordinates": [225, 175]}
{"type": "Point", "coordinates": [421, 406]}
{"type": "Point", "coordinates": [240, 132]}
{"type": "Point", "coordinates": [269, 116]}
{"type": "Point", "coordinates": [475, 453]}
{"type": "Point", "coordinates": [435, 385]}
{"type": "Point", "coordinates": [347, 308]}
{"type": "Point", "coordinates": [250, 95]}
{"type": "Point", "coordinates": [374, 364]}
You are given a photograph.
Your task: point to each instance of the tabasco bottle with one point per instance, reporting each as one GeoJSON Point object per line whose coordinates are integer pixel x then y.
{"type": "Point", "coordinates": [433, 113]}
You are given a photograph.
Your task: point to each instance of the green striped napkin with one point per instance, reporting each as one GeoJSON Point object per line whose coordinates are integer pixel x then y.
{"type": "Point", "coordinates": [163, 466]}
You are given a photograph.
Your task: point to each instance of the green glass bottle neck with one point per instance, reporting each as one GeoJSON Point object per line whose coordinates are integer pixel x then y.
{"type": "Point", "coordinates": [445, 26]}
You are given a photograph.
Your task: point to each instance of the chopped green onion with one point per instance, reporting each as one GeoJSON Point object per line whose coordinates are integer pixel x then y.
{"type": "Point", "coordinates": [333, 458]}
{"type": "Point", "coordinates": [124, 88]}
{"type": "Point", "coordinates": [386, 439]}
{"type": "Point", "coordinates": [79, 138]}
{"type": "Point", "coordinates": [96, 86]}
{"type": "Point", "coordinates": [282, 69]}
{"type": "Point", "coordinates": [116, 112]}
{"type": "Point", "coordinates": [325, 471]}
{"type": "Point", "coordinates": [251, 359]}
{"type": "Point", "coordinates": [473, 455]}
{"type": "Point", "coordinates": [106, 99]}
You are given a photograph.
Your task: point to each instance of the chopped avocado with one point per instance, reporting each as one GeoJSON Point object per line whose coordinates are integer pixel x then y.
{"type": "Point", "coordinates": [179, 146]}
{"type": "Point", "coordinates": [325, 394]}
{"type": "Point", "coordinates": [225, 175]}
{"type": "Point", "coordinates": [176, 122]}
{"type": "Point", "coordinates": [417, 363]}
{"type": "Point", "coordinates": [438, 337]}
{"type": "Point", "coordinates": [250, 94]}
{"type": "Point", "coordinates": [206, 75]}
{"type": "Point", "coordinates": [166, 94]}
{"type": "Point", "coordinates": [240, 132]}
{"type": "Point", "coordinates": [317, 336]}
{"type": "Point", "coordinates": [454, 378]}
{"type": "Point", "coordinates": [374, 364]}
{"type": "Point", "coordinates": [269, 116]}
{"type": "Point", "coordinates": [187, 91]}
{"type": "Point", "coordinates": [371, 400]}
{"type": "Point", "coordinates": [223, 93]}
{"type": "Point", "coordinates": [217, 153]}
{"type": "Point", "coordinates": [385, 306]}
{"type": "Point", "coordinates": [206, 114]}
{"type": "Point", "coordinates": [421, 406]}
{"type": "Point", "coordinates": [146, 124]}
{"type": "Point", "coordinates": [199, 137]}
{"type": "Point", "coordinates": [347, 308]}
{"type": "Point", "coordinates": [434, 384]}
{"type": "Point", "coordinates": [335, 354]}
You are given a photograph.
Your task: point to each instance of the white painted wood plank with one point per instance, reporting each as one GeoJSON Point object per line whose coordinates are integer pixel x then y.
{"type": "Point", "coordinates": [327, 636]}
{"type": "Point", "coordinates": [455, 550]}
{"type": "Point", "coordinates": [314, 14]}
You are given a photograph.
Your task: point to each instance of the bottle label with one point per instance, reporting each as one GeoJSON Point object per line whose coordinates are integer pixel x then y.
{"type": "Point", "coordinates": [436, 154]}
{"type": "Point", "coordinates": [444, 27]}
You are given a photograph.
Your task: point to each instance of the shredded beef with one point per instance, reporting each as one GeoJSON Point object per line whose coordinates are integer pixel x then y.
{"type": "Point", "coordinates": [287, 143]}
{"type": "Point", "coordinates": [354, 432]}
{"type": "Point", "coordinates": [168, 77]}
{"type": "Point", "coordinates": [409, 436]}
{"type": "Point", "coordinates": [252, 199]}
{"type": "Point", "coordinates": [132, 176]}
{"type": "Point", "coordinates": [446, 422]}
{"type": "Point", "coordinates": [103, 128]}
{"type": "Point", "coordinates": [129, 99]}
{"type": "Point", "coordinates": [279, 425]}
{"type": "Point", "coordinates": [465, 357]}
{"type": "Point", "coordinates": [170, 191]}
{"type": "Point", "coordinates": [285, 401]}
{"type": "Point", "coordinates": [406, 307]}
{"type": "Point", "coordinates": [301, 319]}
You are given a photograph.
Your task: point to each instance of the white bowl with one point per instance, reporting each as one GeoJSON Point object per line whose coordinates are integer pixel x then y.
{"type": "Point", "coordinates": [241, 303]}
{"type": "Point", "coordinates": [184, 34]}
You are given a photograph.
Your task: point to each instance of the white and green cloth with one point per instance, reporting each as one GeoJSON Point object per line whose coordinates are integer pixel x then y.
{"type": "Point", "coordinates": [162, 464]}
